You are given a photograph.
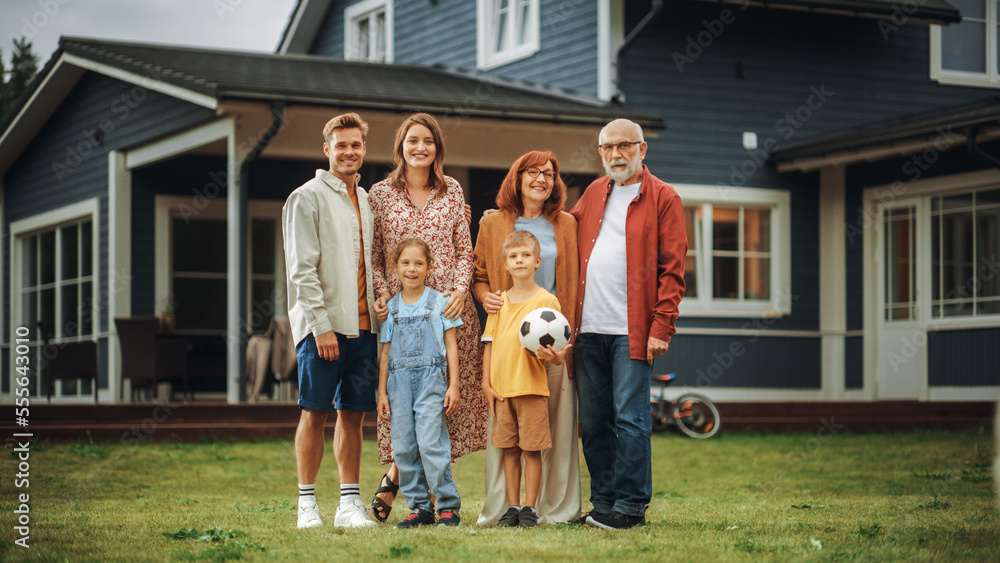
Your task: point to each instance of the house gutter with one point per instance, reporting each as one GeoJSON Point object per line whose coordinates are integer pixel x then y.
{"type": "Point", "coordinates": [277, 117]}
{"type": "Point", "coordinates": [976, 151]}
{"type": "Point", "coordinates": [654, 12]}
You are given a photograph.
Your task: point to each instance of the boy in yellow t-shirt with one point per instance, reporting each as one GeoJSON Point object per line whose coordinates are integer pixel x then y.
{"type": "Point", "coordinates": [515, 382]}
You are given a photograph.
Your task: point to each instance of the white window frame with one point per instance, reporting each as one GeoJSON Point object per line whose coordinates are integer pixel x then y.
{"type": "Point", "coordinates": [87, 210]}
{"type": "Point", "coordinates": [988, 79]}
{"type": "Point", "coordinates": [169, 207]}
{"type": "Point", "coordinates": [779, 202]}
{"type": "Point", "coordinates": [366, 10]}
{"type": "Point", "coordinates": [486, 11]}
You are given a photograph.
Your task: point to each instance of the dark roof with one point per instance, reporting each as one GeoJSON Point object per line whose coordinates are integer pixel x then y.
{"type": "Point", "coordinates": [915, 125]}
{"type": "Point", "coordinates": [930, 11]}
{"type": "Point", "coordinates": [323, 80]}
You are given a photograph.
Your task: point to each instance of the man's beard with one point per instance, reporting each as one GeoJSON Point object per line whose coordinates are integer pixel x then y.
{"type": "Point", "coordinates": [631, 167]}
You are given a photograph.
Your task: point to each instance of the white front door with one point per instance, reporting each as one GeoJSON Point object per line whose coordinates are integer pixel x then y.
{"type": "Point", "coordinates": [902, 320]}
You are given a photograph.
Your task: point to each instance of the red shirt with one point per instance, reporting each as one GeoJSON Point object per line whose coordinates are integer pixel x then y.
{"type": "Point", "coordinates": [655, 241]}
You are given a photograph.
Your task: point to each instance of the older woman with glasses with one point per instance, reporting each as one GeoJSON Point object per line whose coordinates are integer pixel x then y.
{"type": "Point", "coordinates": [531, 198]}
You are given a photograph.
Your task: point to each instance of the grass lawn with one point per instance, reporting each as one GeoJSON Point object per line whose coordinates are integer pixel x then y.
{"type": "Point", "coordinates": [921, 495]}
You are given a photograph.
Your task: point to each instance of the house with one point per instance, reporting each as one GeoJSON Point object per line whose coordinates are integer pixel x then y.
{"type": "Point", "coordinates": [836, 159]}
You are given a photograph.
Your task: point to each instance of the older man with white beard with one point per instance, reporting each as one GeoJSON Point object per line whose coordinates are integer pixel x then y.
{"type": "Point", "coordinates": [632, 246]}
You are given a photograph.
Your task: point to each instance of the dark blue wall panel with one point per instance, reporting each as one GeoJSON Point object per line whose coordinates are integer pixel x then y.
{"type": "Point", "coordinates": [854, 368]}
{"type": "Point", "coordinates": [751, 360]}
{"type": "Point", "coordinates": [963, 357]}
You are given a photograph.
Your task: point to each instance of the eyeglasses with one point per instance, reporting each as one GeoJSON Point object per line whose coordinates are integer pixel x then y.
{"type": "Point", "coordinates": [534, 172]}
{"type": "Point", "coordinates": [622, 146]}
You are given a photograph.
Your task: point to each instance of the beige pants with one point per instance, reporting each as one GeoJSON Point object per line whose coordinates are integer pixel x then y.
{"type": "Point", "coordinates": [559, 494]}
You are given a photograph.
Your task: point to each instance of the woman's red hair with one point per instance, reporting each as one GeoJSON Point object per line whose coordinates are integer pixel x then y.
{"type": "Point", "coordinates": [509, 196]}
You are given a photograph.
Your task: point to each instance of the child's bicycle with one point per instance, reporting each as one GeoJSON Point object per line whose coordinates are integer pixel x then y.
{"type": "Point", "coordinates": [693, 414]}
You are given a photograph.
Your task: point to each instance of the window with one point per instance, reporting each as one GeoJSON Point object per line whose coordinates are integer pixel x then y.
{"type": "Point", "coordinates": [966, 53]}
{"type": "Point", "coordinates": [965, 244]}
{"type": "Point", "coordinates": [508, 30]}
{"type": "Point", "coordinates": [368, 31]}
{"type": "Point", "coordinates": [738, 260]}
{"type": "Point", "coordinates": [194, 284]}
{"type": "Point", "coordinates": [53, 287]}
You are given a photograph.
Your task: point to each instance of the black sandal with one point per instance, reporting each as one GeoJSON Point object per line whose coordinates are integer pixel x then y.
{"type": "Point", "coordinates": [378, 505]}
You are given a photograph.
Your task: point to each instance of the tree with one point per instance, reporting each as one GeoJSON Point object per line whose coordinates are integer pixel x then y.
{"type": "Point", "coordinates": [23, 67]}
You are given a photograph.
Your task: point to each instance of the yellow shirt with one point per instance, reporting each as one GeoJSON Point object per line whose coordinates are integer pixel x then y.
{"type": "Point", "coordinates": [513, 371]}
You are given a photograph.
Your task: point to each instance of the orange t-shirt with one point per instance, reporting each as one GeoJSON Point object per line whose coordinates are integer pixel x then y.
{"type": "Point", "coordinates": [364, 321]}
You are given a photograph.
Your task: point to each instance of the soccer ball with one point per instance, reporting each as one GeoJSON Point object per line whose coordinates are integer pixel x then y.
{"type": "Point", "coordinates": [544, 327]}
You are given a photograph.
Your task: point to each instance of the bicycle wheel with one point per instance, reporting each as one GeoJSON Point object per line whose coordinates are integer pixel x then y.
{"type": "Point", "coordinates": [697, 416]}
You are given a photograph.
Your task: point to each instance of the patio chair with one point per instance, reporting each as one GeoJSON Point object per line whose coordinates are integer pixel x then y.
{"type": "Point", "coordinates": [275, 345]}
{"type": "Point", "coordinates": [149, 358]}
{"type": "Point", "coordinates": [68, 360]}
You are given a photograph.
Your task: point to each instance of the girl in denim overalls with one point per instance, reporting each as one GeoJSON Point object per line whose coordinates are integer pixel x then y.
{"type": "Point", "coordinates": [418, 382]}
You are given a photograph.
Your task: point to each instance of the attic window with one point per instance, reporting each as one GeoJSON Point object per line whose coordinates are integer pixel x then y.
{"type": "Point", "coordinates": [507, 30]}
{"type": "Point", "coordinates": [966, 53]}
{"type": "Point", "coordinates": [368, 33]}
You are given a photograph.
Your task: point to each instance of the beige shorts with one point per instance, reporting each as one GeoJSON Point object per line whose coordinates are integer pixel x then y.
{"type": "Point", "coordinates": [522, 421]}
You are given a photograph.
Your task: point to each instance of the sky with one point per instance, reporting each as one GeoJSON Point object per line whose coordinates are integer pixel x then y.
{"type": "Point", "coordinates": [246, 25]}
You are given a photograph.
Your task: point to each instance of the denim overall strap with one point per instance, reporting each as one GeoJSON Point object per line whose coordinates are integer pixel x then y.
{"type": "Point", "coordinates": [414, 342]}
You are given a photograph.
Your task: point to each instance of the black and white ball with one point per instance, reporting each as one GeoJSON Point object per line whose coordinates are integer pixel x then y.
{"type": "Point", "coordinates": [544, 327]}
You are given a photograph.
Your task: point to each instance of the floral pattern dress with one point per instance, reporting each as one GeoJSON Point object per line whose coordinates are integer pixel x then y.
{"type": "Point", "coordinates": [442, 225]}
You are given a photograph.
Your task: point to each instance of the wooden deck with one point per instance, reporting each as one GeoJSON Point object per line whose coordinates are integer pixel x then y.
{"type": "Point", "coordinates": [220, 421]}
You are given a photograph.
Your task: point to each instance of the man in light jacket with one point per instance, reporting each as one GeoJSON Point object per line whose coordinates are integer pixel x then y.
{"type": "Point", "coordinates": [327, 225]}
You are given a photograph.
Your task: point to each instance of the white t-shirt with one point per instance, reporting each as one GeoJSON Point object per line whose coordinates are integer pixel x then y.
{"type": "Point", "coordinates": [605, 293]}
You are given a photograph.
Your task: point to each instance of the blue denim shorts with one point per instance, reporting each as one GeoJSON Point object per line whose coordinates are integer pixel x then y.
{"type": "Point", "coordinates": [348, 383]}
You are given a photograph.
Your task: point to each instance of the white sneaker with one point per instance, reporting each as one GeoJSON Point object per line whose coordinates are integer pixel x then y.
{"type": "Point", "coordinates": [353, 515]}
{"type": "Point", "coordinates": [309, 516]}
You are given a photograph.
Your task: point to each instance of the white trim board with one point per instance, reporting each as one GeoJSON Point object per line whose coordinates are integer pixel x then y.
{"type": "Point", "coordinates": [147, 82]}
{"type": "Point", "coordinates": [179, 143]}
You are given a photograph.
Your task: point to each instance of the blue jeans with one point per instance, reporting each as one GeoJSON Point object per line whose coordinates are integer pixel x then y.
{"type": "Point", "coordinates": [614, 413]}
{"type": "Point", "coordinates": [421, 447]}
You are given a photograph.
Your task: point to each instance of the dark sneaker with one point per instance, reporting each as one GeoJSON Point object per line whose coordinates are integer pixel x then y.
{"type": "Point", "coordinates": [527, 518]}
{"type": "Point", "coordinates": [583, 518]}
{"type": "Point", "coordinates": [449, 518]}
{"type": "Point", "coordinates": [419, 518]}
{"type": "Point", "coordinates": [509, 518]}
{"type": "Point", "coordinates": [615, 521]}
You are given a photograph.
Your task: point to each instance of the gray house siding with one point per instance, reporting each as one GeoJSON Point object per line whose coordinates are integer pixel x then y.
{"type": "Point", "coordinates": [66, 163]}
{"type": "Point", "coordinates": [567, 56]}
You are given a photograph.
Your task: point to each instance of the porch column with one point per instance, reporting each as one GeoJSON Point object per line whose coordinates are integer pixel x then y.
{"type": "Point", "coordinates": [119, 288]}
{"type": "Point", "coordinates": [236, 244]}
{"type": "Point", "coordinates": [832, 280]}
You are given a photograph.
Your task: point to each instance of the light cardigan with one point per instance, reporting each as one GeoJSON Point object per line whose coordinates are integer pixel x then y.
{"type": "Point", "coordinates": [322, 250]}
{"type": "Point", "coordinates": [491, 273]}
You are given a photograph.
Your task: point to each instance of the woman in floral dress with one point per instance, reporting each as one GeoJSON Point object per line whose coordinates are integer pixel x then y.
{"type": "Point", "coordinates": [417, 200]}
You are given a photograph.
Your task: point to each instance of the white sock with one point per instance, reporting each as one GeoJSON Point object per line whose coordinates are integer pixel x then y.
{"type": "Point", "coordinates": [515, 507]}
{"type": "Point", "coordinates": [307, 494]}
{"type": "Point", "coordinates": [348, 492]}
